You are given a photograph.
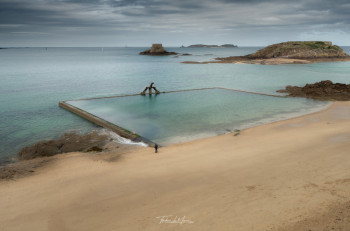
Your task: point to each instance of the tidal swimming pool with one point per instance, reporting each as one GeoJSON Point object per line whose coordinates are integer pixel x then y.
{"type": "Point", "coordinates": [182, 116]}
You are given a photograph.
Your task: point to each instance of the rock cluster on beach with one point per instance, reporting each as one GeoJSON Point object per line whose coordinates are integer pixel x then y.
{"type": "Point", "coordinates": [300, 52]}
{"type": "Point", "coordinates": [324, 90]}
{"type": "Point", "coordinates": [32, 157]}
{"type": "Point", "coordinates": [157, 50]}
{"type": "Point", "coordinates": [69, 142]}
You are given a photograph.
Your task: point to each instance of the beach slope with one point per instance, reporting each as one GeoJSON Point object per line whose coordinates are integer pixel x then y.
{"type": "Point", "coordinates": [288, 175]}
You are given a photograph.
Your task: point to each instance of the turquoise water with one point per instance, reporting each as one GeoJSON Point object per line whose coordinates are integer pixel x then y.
{"type": "Point", "coordinates": [182, 116]}
{"type": "Point", "coordinates": [33, 80]}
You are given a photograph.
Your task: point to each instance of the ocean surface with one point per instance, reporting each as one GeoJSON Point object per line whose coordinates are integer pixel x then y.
{"type": "Point", "coordinates": [33, 80]}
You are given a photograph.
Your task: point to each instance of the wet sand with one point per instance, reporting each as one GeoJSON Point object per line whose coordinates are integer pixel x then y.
{"type": "Point", "coordinates": [288, 175]}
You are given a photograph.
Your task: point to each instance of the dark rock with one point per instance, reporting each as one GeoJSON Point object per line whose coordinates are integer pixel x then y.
{"type": "Point", "coordinates": [73, 142]}
{"type": "Point", "coordinates": [157, 50]}
{"type": "Point", "coordinates": [69, 142]}
{"type": "Point", "coordinates": [95, 149]}
{"type": "Point", "coordinates": [324, 90]}
{"type": "Point", "coordinates": [43, 148]}
{"type": "Point", "coordinates": [21, 168]}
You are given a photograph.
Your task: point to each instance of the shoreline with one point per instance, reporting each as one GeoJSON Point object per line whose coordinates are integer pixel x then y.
{"type": "Point", "coordinates": [271, 123]}
{"type": "Point", "coordinates": [282, 117]}
{"type": "Point", "coordinates": [14, 159]}
{"type": "Point", "coordinates": [262, 122]}
{"type": "Point", "coordinates": [275, 176]}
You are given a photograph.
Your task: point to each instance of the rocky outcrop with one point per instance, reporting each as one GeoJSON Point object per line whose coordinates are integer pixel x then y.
{"type": "Point", "coordinates": [157, 50]}
{"type": "Point", "coordinates": [69, 142]}
{"type": "Point", "coordinates": [290, 53]}
{"type": "Point", "coordinates": [300, 50]}
{"type": "Point", "coordinates": [324, 90]}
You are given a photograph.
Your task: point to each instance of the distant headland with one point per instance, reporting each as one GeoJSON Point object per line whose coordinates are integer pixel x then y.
{"type": "Point", "coordinates": [300, 52]}
{"type": "Point", "coordinates": [210, 46]}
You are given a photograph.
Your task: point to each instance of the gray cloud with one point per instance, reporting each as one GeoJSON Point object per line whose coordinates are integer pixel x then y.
{"type": "Point", "coordinates": [114, 21]}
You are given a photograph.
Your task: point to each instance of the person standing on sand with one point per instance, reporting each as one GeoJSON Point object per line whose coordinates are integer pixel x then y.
{"type": "Point", "coordinates": [156, 148]}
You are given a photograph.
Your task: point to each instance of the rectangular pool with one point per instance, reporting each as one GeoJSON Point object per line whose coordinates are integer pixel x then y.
{"type": "Point", "coordinates": [182, 116]}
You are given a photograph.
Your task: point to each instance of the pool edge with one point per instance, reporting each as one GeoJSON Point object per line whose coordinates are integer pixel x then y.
{"type": "Point", "coordinates": [101, 122]}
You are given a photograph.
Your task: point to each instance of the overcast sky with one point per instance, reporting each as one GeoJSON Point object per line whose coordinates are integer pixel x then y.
{"type": "Point", "coordinates": [171, 22]}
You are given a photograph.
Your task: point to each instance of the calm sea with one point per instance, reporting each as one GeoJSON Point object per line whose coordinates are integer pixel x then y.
{"type": "Point", "coordinates": [33, 80]}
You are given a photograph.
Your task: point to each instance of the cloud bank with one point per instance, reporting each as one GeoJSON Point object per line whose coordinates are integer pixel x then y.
{"type": "Point", "coordinates": [174, 23]}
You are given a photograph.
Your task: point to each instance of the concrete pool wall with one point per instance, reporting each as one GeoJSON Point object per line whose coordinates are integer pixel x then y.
{"type": "Point", "coordinates": [103, 123]}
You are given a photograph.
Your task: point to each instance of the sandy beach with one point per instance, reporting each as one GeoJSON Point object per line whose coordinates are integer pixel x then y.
{"type": "Point", "coordinates": [288, 175]}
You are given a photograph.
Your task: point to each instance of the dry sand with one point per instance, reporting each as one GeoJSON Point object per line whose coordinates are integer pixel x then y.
{"type": "Point", "coordinates": [288, 175]}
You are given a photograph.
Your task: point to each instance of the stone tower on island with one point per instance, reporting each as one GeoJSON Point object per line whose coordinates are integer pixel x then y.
{"type": "Point", "coordinates": [157, 48]}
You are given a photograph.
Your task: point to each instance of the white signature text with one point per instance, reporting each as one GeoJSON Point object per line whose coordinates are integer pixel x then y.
{"type": "Point", "coordinates": [170, 219]}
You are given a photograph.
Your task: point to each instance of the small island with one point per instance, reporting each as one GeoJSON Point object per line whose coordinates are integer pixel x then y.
{"type": "Point", "coordinates": [157, 50]}
{"type": "Point", "coordinates": [300, 52]}
{"type": "Point", "coordinates": [210, 46]}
